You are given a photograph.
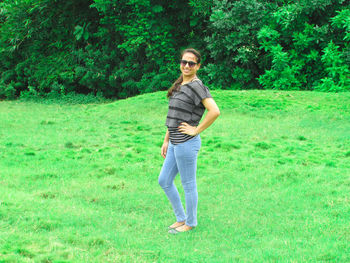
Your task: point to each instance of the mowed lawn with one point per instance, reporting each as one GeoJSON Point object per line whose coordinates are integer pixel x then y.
{"type": "Point", "coordinates": [79, 183]}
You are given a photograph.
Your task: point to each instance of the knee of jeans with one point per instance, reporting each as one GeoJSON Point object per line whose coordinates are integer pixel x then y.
{"type": "Point", "coordinates": [191, 185]}
{"type": "Point", "coordinates": [163, 182]}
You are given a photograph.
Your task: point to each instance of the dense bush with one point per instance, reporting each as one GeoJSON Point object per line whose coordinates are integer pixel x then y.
{"type": "Point", "coordinates": [36, 45]}
{"type": "Point", "coordinates": [299, 40]}
{"type": "Point", "coordinates": [122, 48]}
{"type": "Point", "coordinates": [233, 43]}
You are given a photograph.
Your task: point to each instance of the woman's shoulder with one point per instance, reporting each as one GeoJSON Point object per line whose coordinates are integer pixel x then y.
{"type": "Point", "coordinates": [196, 83]}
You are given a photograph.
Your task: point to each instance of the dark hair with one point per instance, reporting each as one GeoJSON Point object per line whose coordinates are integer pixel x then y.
{"type": "Point", "coordinates": [176, 85]}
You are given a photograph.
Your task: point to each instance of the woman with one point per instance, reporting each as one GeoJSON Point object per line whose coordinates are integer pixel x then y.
{"type": "Point", "coordinates": [188, 99]}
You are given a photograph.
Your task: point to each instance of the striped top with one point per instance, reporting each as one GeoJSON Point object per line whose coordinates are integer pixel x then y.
{"type": "Point", "coordinates": [177, 137]}
{"type": "Point", "coordinates": [185, 105]}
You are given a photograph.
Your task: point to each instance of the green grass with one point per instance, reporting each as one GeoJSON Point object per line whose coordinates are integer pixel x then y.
{"type": "Point", "coordinates": [79, 183]}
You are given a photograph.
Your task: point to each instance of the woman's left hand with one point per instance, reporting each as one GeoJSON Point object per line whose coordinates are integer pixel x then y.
{"type": "Point", "coordinates": [187, 129]}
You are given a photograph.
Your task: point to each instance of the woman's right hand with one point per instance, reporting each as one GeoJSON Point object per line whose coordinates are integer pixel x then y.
{"type": "Point", "coordinates": [164, 149]}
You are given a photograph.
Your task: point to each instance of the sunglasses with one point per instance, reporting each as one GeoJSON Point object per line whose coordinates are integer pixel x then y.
{"type": "Point", "coordinates": [191, 64]}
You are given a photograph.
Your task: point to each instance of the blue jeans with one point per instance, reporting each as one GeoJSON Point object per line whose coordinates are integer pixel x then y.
{"type": "Point", "coordinates": [182, 158]}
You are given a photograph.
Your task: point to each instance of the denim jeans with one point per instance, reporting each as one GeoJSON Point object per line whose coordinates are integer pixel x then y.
{"type": "Point", "coordinates": [182, 158]}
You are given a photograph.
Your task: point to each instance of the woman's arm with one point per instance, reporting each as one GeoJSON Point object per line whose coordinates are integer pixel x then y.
{"type": "Point", "coordinates": [165, 144]}
{"type": "Point", "coordinates": [210, 117]}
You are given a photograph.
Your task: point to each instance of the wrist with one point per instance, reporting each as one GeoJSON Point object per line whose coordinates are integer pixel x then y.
{"type": "Point", "coordinates": [196, 131]}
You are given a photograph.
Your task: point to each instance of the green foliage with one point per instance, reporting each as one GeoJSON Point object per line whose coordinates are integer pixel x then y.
{"type": "Point", "coordinates": [233, 43]}
{"type": "Point", "coordinates": [70, 98]}
{"type": "Point", "coordinates": [134, 46]}
{"type": "Point", "coordinates": [338, 73]}
{"type": "Point", "coordinates": [201, 7]}
{"type": "Point", "coordinates": [82, 31]}
{"type": "Point", "coordinates": [342, 20]}
{"type": "Point", "coordinates": [118, 49]}
{"type": "Point", "coordinates": [7, 91]}
{"type": "Point", "coordinates": [282, 75]}
{"type": "Point", "coordinates": [295, 38]}
{"type": "Point", "coordinates": [36, 45]}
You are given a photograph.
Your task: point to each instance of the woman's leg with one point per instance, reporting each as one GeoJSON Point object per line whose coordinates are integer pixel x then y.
{"type": "Point", "coordinates": [186, 158]}
{"type": "Point", "coordinates": [166, 181]}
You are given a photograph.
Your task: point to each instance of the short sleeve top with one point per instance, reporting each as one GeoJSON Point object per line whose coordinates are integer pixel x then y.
{"type": "Point", "coordinates": [185, 105]}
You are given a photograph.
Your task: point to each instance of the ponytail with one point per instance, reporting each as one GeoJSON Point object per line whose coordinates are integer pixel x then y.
{"type": "Point", "coordinates": [175, 87]}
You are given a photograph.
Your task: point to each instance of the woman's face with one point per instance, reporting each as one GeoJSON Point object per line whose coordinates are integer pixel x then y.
{"type": "Point", "coordinates": [186, 69]}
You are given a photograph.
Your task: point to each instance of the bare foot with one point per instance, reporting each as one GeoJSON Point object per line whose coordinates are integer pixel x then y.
{"type": "Point", "coordinates": [183, 228]}
{"type": "Point", "coordinates": [177, 224]}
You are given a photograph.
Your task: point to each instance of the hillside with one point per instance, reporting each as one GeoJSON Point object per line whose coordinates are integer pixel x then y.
{"type": "Point", "coordinates": [79, 182]}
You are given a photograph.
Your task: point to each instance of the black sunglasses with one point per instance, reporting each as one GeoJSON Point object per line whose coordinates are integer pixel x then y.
{"type": "Point", "coordinates": [191, 64]}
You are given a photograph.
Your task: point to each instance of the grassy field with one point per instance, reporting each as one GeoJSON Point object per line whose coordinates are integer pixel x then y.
{"type": "Point", "coordinates": [79, 183]}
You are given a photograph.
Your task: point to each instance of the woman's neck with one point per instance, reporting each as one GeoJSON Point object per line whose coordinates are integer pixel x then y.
{"type": "Point", "coordinates": [188, 79]}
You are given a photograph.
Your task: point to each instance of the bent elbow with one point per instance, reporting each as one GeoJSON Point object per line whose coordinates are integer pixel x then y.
{"type": "Point", "coordinates": [217, 113]}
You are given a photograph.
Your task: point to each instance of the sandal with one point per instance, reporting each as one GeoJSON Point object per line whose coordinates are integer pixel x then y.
{"type": "Point", "coordinates": [171, 227]}
{"type": "Point", "coordinates": [177, 230]}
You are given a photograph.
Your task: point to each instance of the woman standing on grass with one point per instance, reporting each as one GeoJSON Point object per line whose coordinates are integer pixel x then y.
{"type": "Point", "coordinates": [188, 99]}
